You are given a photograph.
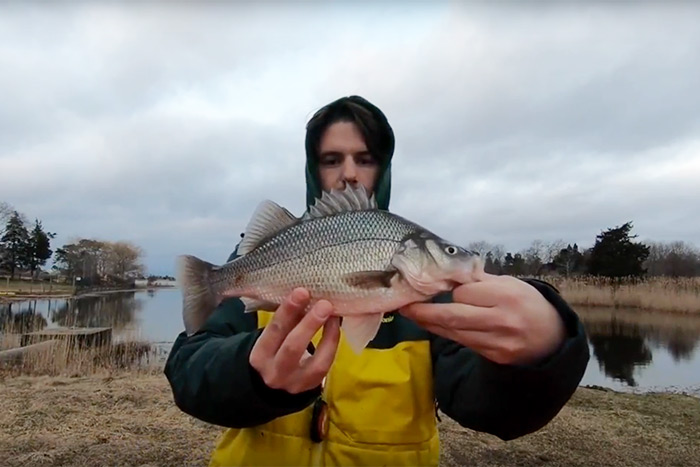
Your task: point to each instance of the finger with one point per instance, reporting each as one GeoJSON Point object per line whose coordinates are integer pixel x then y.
{"type": "Point", "coordinates": [483, 294]}
{"type": "Point", "coordinates": [483, 343]}
{"type": "Point", "coordinates": [451, 315]}
{"type": "Point", "coordinates": [297, 341]}
{"type": "Point", "coordinates": [285, 318]}
{"type": "Point", "coordinates": [323, 358]}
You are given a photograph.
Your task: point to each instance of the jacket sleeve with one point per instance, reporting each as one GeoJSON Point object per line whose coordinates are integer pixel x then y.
{"type": "Point", "coordinates": [211, 377]}
{"type": "Point", "coordinates": [510, 401]}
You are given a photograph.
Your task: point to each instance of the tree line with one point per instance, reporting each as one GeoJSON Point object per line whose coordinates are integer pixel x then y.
{"type": "Point", "coordinates": [26, 247]}
{"type": "Point", "coordinates": [615, 254]}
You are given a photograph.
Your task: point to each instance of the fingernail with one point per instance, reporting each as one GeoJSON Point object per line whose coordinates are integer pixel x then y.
{"type": "Point", "coordinates": [323, 310]}
{"type": "Point", "coordinates": [298, 296]}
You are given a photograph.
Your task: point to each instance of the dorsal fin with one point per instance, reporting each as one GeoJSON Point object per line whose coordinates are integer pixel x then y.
{"type": "Point", "coordinates": [268, 219]}
{"type": "Point", "coordinates": [350, 199]}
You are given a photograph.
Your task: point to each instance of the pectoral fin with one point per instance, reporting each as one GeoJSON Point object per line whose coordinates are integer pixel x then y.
{"type": "Point", "coordinates": [359, 330]}
{"type": "Point", "coordinates": [370, 279]}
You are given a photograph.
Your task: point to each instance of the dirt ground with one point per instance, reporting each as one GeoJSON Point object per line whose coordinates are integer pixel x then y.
{"type": "Point", "coordinates": [130, 419]}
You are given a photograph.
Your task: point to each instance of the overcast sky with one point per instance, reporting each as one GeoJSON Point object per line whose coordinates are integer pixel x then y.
{"type": "Point", "coordinates": [166, 124]}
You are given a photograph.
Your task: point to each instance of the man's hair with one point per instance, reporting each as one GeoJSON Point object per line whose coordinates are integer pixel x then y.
{"type": "Point", "coordinates": [372, 123]}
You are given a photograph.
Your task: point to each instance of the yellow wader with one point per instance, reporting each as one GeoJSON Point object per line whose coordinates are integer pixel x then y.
{"type": "Point", "coordinates": [381, 411]}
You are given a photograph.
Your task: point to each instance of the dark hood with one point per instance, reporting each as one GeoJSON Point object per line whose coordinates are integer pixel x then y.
{"type": "Point", "coordinates": [382, 189]}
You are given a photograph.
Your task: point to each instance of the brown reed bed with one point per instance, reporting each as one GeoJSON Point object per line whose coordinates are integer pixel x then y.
{"type": "Point", "coordinates": [66, 357]}
{"type": "Point", "coordinates": [677, 295]}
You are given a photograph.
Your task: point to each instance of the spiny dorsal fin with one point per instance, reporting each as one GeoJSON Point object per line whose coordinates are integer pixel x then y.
{"type": "Point", "coordinates": [350, 199]}
{"type": "Point", "coordinates": [268, 219]}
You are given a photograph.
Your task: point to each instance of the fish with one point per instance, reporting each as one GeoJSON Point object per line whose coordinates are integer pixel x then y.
{"type": "Point", "coordinates": [366, 261]}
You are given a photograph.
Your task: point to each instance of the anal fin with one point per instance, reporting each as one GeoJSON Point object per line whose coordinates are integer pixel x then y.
{"type": "Point", "coordinates": [359, 330]}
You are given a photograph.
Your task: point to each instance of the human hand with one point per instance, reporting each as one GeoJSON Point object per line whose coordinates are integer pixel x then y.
{"type": "Point", "coordinates": [280, 355]}
{"type": "Point", "coordinates": [502, 318]}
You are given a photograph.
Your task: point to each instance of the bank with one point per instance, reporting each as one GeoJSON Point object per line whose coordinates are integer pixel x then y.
{"type": "Point", "coordinates": [129, 418]}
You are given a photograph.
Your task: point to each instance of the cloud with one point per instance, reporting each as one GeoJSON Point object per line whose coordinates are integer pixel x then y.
{"type": "Point", "coordinates": [167, 124]}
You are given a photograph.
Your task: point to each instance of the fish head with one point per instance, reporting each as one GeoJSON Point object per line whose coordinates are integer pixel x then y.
{"type": "Point", "coordinates": [432, 265]}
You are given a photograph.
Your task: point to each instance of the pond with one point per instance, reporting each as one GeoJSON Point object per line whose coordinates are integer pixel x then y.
{"type": "Point", "coordinates": [631, 350]}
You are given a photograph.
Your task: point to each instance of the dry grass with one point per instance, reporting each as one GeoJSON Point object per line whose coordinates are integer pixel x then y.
{"type": "Point", "coordinates": [680, 295]}
{"type": "Point", "coordinates": [596, 428]}
{"type": "Point", "coordinates": [129, 418]}
{"type": "Point", "coordinates": [103, 419]}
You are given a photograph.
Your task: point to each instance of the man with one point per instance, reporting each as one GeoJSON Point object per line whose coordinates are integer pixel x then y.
{"type": "Point", "coordinates": [501, 355]}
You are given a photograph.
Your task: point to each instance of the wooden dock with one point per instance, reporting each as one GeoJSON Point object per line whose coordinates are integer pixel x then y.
{"type": "Point", "coordinates": [83, 337]}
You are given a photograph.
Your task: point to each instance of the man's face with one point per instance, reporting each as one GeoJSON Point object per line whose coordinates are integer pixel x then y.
{"type": "Point", "coordinates": [344, 158]}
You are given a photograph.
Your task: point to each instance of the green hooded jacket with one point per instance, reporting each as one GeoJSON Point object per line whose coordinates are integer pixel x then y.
{"type": "Point", "coordinates": [212, 380]}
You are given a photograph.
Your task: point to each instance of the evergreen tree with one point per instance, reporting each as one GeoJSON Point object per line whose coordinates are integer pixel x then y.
{"type": "Point", "coordinates": [40, 247]}
{"type": "Point", "coordinates": [616, 255]}
{"type": "Point", "coordinates": [14, 245]}
{"type": "Point", "coordinates": [569, 260]}
{"type": "Point", "coordinates": [514, 265]}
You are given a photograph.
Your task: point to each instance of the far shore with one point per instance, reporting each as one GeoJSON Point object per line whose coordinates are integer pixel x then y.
{"type": "Point", "coordinates": [23, 295]}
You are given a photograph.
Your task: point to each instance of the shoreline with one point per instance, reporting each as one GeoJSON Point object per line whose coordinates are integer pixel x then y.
{"type": "Point", "coordinates": [14, 296]}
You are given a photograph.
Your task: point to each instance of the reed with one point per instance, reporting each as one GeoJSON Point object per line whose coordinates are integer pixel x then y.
{"type": "Point", "coordinates": [66, 357]}
{"type": "Point", "coordinates": [678, 295]}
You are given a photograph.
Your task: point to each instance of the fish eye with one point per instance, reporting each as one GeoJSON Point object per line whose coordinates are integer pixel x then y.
{"type": "Point", "coordinates": [451, 250]}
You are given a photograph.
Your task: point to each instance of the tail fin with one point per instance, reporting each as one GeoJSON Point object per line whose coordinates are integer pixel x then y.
{"type": "Point", "coordinates": [198, 298]}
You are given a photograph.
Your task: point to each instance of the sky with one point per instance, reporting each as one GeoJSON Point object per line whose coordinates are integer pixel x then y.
{"type": "Point", "coordinates": [166, 123]}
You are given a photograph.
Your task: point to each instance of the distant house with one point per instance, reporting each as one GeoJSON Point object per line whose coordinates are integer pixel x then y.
{"type": "Point", "coordinates": [156, 282]}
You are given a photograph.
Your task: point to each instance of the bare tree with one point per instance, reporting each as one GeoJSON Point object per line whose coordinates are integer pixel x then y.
{"type": "Point", "coordinates": [125, 259]}
{"type": "Point", "coordinates": [550, 250]}
{"type": "Point", "coordinates": [533, 257]}
{"type": "Point", "coordinates": [674, 259]}
{"type": "Point", "coordinates": [480, 247]}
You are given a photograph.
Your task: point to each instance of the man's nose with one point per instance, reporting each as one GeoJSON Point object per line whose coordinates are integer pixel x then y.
{"type": "Point", "coordinates": [349, 170]}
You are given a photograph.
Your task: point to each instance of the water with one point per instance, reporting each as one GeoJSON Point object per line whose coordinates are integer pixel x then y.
{"type": "Point", "coordinates": [631, 350]}
{"type": "Point", "coordinates": [639, 351]}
